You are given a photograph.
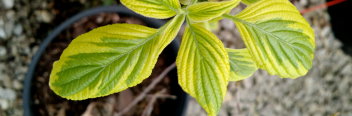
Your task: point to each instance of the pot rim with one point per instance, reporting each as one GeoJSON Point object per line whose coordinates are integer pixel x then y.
{"type": "Point", "coordinates": [154, 23]}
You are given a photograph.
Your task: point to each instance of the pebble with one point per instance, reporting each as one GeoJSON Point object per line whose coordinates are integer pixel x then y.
{"type": "Point", "coordinates": [10, 15]}
{"type": "Point", "coordinates": [18, 30]}
{"type": "Point", "coordinates": [8, 4]}
{"type": "Point", "coordinates": [303, 2]}
{"type": "Point", "coordinates": [4, 104]}
{"type": "Point", "coordinates": [227, 24]}
{"type": "Point", "coordinates": [226, 35]}
{"type": "Point", "coordinates": [326, 31]}
{"type": "Point", "coordinates": [44, 16]}
{"type": "Point", "coordinates": [347, 70]}
{"type": "Point", "coordinates": [9, 26]}
{"type": "Point", "coordinates": [17, 85]}
{"type": "Point", "coordinates": [7, 81]}
{"type": "Point", "coordinates": [3, 53]}
{"type": "Point", "coordinates": [7, 94]}
{"type": "Point", "coordinates": [2, 33]}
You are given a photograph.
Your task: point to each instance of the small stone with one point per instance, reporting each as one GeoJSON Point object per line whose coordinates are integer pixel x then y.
{"type": "Point", "coordinates": [14, 50]}
{"type": "Point", "coordinates": [7, 94]}
{"type": "Point", "coordinates": [10, 15]}
{"type": "Point", "coordinates": [4, 104]}
{"type": "Point", "coordinates": [115, 18]}
{"type": "Point", "coordinates": [343, 86]}
{"type": "Point", "coordinates": [335, 44]}
{"type": "Point", "coordinates": [7, 81]}
{"type": "Point", "coordinates": [329, 77]}
{"type": "Point", "coordinates": [99, 19]}
{"type": "Point", "coordinates": [3, 52]}
{"type": "Point", "coordinates": [18, 30]}
{"type": "Point", "coordinates": [347, 70]}
{"type": "Point", "coordinates": [8, 3]}
{"type": "Point", "coordinates": [326, 31]}
{"type": "Point", "coordinates": [9, 26]}
{"type": "Point", "coordinates": [303, 2]}
{"type": "Point", "coordinates": [227, 24]}
{"type": "Point", "coordinates": [247, 83]}
{"type": "Point", "coordinates": [134, 21]}
{"type": "Point", "coordinates": [44, 16]}
{"type": "Point", "coordinates": [17, 85]}
{"type": "Point", "coordinates": [226, 35]}
{"type": "Point", "coordinates": [2, 33]}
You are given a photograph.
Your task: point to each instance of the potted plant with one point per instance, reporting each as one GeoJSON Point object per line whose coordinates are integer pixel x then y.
{"type": "Point", "coordinates": [40, 100]}
{"type": "Point", "coordinates": [112, 58]}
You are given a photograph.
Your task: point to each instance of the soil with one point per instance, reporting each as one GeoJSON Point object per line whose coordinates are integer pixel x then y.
{"type": "Point", "coordinates": [46, 103]}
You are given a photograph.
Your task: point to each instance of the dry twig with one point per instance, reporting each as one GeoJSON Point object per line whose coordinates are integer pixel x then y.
{"type": "Point", "coordinates": [142, 95]}
{"type": "Point", "coordinates": [161, 94]}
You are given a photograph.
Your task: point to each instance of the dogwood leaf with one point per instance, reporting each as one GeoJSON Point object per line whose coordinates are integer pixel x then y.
{"type": "Point", "coordinates": [249, 1]}
{"type": "Point", "coordinates": [277, 36]}
{"type": "Point", "coordinates": [160, 9]}
{"type": "Point", "coordinates": [188, 2]}
{"type": "Point", "coordinates": [110, 59]}
{"type": "Point", "coordinates": [203, 67]}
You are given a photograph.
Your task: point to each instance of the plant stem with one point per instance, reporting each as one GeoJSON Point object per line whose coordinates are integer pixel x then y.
{"type": "Point", "coordinates": [142, 95]}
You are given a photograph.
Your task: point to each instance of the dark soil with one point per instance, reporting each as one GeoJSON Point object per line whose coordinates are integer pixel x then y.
{"type": "Point", "coordinates": [46, 103]}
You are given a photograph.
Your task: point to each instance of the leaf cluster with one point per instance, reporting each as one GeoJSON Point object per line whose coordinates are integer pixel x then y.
{"type": "Point", "coordinates": [112, 58]}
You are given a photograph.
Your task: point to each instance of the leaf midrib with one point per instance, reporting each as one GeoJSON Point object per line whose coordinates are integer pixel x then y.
{"type": "Point", "coordinates": [153, 36]}
{"type": "Point", "coordinates": [103, 67]}
{"type": "Point", "coordinates": [203, 60]}
{"type": "Point", "coordinates": [263, 31]}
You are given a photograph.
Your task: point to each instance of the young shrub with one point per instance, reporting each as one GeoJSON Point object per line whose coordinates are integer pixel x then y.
{"type": "Point", "coordinates": [112, 58]}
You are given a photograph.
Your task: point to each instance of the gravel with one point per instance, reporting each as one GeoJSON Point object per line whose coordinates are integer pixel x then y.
{"type": "Point", "coordinates": [17, 46]}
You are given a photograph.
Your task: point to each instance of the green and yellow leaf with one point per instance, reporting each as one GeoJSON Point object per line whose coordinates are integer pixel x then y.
{"type": "Point", "coordinates": [248, 2]}
{"type": "Point", "coordinates": [242, 64]}
{"type": "Point", "coordinates": [212, 26]}
{"type": "Point", "coordinates": [160, 9]}
{"type": "Point", "coordinates": [203, 67]}
{"type": "Point", "coordinates": [205, 11]}
{"type": "Point", "coordinates": [110, 59]}
{"type": "Point", "coordinates": [188, 2]}
{"type": "Point", "coordinates": [277, 36]}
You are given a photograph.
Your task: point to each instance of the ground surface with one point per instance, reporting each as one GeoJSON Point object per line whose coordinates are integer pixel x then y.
{"type": "Point", "coordinates": [324, 91]}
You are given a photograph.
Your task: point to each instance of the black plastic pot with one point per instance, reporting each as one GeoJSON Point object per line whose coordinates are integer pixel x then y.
{"type": "Point", "coordinates": [174, 108]}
